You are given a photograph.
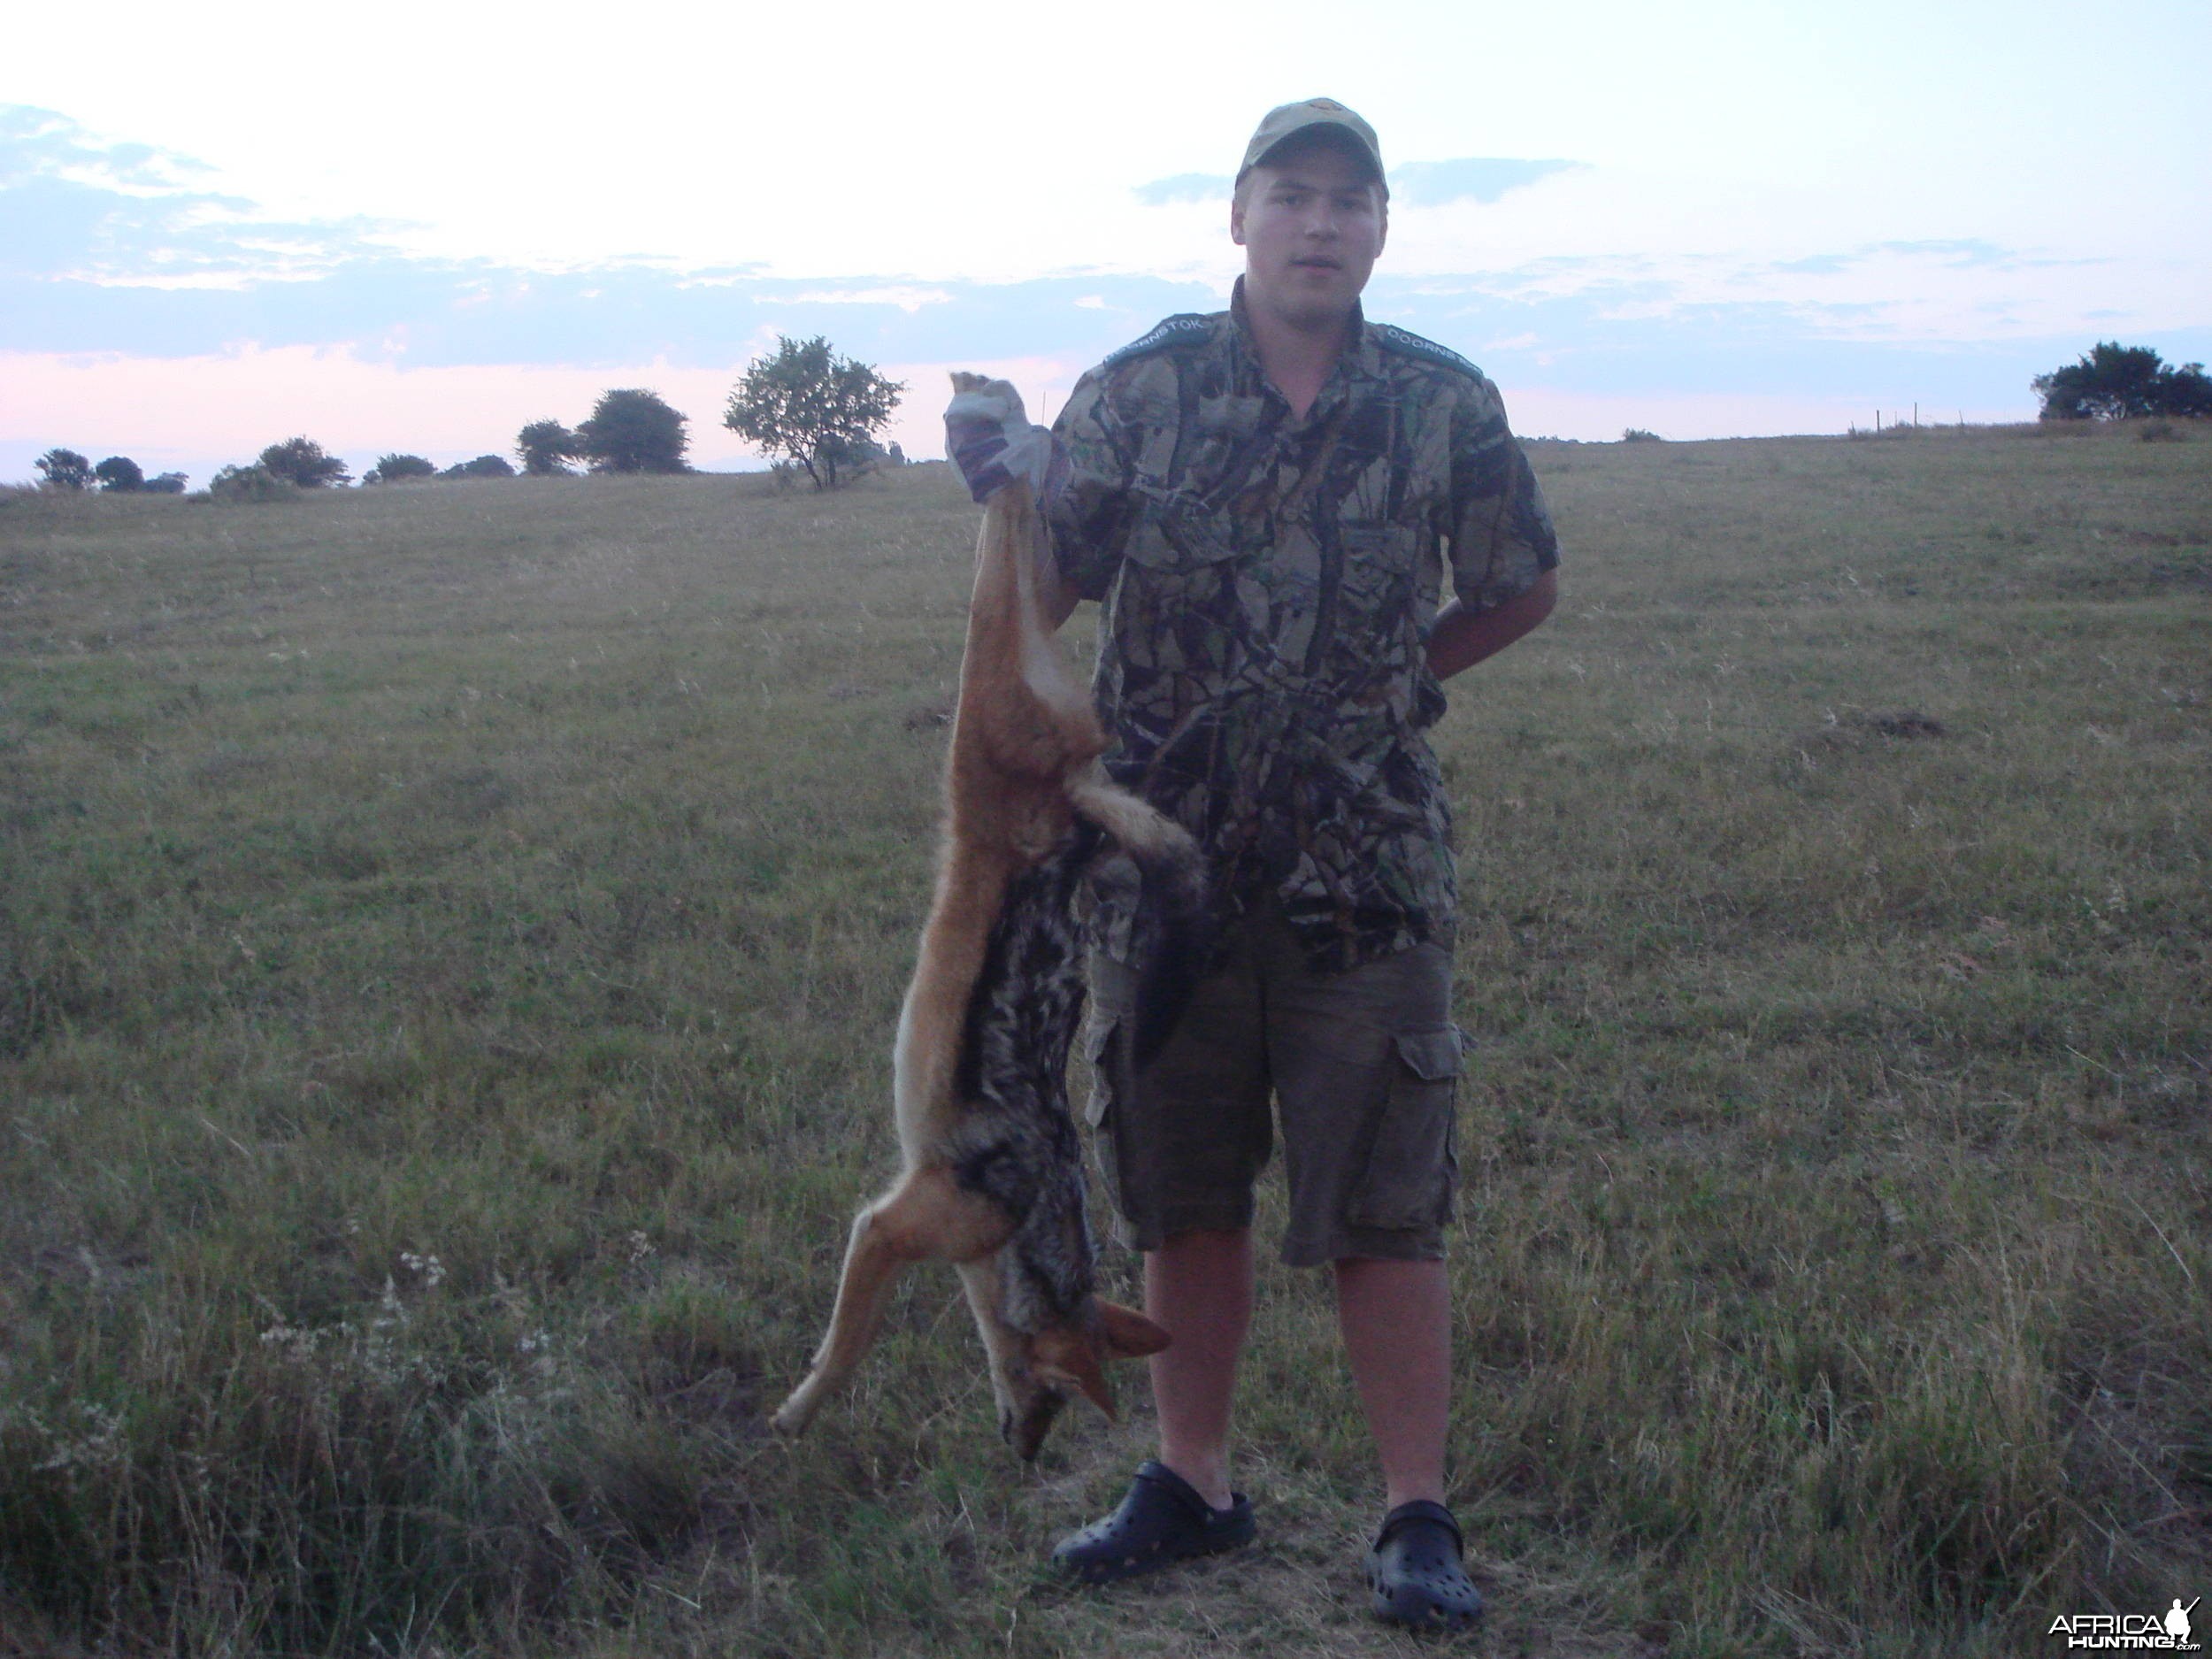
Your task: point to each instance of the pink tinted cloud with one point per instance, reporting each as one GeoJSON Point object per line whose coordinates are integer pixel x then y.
{"type": "Point", "coordinates": [196, 414]}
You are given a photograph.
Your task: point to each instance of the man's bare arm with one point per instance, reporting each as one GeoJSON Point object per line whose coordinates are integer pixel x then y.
{"type": "Point", "coordinates": [1461, 637]}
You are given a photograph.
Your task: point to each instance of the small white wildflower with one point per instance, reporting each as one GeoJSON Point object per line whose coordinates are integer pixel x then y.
{"type": "Point", "coordinates": [390, 1309]}
{"type": "Point", "coordinates": [101, 1442]}
{"type": "Point", "coordinates": [296, 1342]}
{"type": "Point", "coordinates": [641, 1247]}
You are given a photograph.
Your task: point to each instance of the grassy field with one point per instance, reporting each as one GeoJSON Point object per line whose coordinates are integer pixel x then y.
{"type": "Point", "coordinates": [449, 937]}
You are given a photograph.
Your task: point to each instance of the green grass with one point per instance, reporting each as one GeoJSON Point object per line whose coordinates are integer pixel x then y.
{"type": "Point", "coordinates": [449, 940]}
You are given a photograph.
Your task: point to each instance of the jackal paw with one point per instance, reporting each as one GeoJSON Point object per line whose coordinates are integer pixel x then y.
{"type": "Point", "coordinates": [793, 1415]}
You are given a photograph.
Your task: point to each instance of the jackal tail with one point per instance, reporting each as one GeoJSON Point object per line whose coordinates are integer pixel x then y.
{"type": "Point", "coordinates": [1175, 926]}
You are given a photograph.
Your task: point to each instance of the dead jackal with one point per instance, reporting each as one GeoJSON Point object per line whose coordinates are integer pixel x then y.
{"type": "Point", "coordinates": [992, 1173]}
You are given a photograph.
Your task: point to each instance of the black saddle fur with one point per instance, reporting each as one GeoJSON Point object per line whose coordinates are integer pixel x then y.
{"type": "Point", "coordinates": [1019, 1147]}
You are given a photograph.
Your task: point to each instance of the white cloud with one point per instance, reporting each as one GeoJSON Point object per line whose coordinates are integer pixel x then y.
{"type": "Point", "coordinates": [908, 300]}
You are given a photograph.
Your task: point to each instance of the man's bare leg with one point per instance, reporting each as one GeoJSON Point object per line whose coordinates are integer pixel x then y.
{"type": "Point", "coordinates": [1396, 1318]}
{"type": "Point", "coordinates": [1198, 1285]}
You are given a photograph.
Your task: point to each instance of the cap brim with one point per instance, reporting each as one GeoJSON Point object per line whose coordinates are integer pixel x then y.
{"type": "Point", "coordinates": [1334, 132]}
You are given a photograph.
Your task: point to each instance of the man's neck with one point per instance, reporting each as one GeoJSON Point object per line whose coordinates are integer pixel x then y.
{"type": "Point", "coordinates": [1296, 357]}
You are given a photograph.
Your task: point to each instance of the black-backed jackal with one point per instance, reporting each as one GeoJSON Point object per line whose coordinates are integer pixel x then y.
{"type": "Point", "coordinates": [992, 1168]}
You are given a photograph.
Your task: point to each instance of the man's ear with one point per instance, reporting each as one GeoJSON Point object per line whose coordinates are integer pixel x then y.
{"type": "Point", "coordinates": [1236, 219]}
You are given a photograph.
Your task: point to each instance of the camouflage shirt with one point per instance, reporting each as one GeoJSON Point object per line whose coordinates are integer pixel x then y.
{"type": "Point", "coordinates": [1268, 584]}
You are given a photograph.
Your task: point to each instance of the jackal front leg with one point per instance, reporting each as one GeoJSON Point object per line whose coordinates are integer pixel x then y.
{"type": "Point", "coordinates": [925, 1215]}
{"type": "Point", "coordinates": [874, 1257]}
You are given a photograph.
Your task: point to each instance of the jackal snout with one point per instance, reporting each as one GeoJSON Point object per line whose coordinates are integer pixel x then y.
{"type": "Point", "coordinates": [1065, 1362]}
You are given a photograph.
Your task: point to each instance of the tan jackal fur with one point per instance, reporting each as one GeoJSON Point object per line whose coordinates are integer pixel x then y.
{"type": "Point", "coordinates": [991, 1175]}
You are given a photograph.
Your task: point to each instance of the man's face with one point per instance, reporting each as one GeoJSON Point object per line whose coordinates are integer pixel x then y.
{"type": "Point", "coordinates": [1310, 220]}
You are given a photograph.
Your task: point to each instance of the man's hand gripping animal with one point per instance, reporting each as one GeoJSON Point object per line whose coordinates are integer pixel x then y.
{"type": "Point", "coordinates": [991, 1167]}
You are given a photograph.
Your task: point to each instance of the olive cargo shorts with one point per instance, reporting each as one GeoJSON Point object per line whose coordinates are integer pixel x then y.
{"type": "Point", "coordinates": [1363, 1065]}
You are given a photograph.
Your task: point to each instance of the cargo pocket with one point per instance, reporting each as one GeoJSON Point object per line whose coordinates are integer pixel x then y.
{"type": "Point", "coordinates": [1408, 1181]}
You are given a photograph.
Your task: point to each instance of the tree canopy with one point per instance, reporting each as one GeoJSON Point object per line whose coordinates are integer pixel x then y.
{"type": "Point", "coordinates": [482, 466]}
{"type": "Point", "coordinates": [65, 469]}
{"type": "Point", "coordinates": [119, 473]}
{"type": "Point", "coordinates": [545, 448]}
{"type": "Point", "coordinates": [632, 431]}
{"type": "Point", "coordinates": [2117, 382]}
{"type": "Point", "coordinates": [814, 409]}
{"type": "Point", "coordinates": [393, 469]}
{"type": "Point", "coordinates": [301, 461]}
{"type": "Point", "coordinates": [256, 482]}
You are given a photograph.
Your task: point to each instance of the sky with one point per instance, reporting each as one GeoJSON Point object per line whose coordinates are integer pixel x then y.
{"type": "Point", "coordinates": [417, 228]}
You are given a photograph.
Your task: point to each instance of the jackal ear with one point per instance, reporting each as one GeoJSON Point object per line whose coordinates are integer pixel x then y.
{"type": "Point", "coordinates": [1128, 1334]}
{"type": "Point", "coordinates": [1062, 1357]}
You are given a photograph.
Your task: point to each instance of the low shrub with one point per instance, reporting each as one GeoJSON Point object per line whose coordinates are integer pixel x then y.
{"type": "Point", "coordinates": [482, 466]}
{"type": "Point", "coordinates": [251, 483]}
{"type": "Point", "coordinates": [395, 469]}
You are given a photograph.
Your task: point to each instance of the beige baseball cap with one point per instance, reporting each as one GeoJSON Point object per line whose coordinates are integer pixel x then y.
{"type": "Point", "coordinates": [1286, 119]}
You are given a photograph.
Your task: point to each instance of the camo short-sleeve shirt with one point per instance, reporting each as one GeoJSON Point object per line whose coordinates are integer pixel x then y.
{"type": "Point", "coordinates": [1268, 584]}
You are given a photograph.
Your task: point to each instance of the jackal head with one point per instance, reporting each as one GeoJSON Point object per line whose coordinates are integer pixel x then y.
{"type": "Point", "coordinates": [1063, 1361]}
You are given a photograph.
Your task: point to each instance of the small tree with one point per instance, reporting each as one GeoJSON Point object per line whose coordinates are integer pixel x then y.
{"type": "Point", "coordinates": [815, 409]}
{"type": "Point", "coordinates": [2187, 390]}
{"type": "Point", "coordinates": [2117, 382]}
{"type": "Point", "coordinates": [482, 466]}
{"type": "Point", "coordinates": [251, 483]}
{"type": "Point", "coordinates": [393, 469]}
{"type": "Point", "coordinates": [65, 469]}
{"type": "Point", "coordinates": [301, 461]}
{"type": "Point", "coordinates": [545, 448]}
{"type": "Point", "coordinates": [632, 431]}
{"type": "Point", "coordinates": [166, 484]}
{"type": "Point", "coordinates": [120, 473]}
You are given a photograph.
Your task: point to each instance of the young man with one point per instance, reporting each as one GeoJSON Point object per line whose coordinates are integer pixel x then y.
{"type": "Point", "coordinates": [1267, 501]}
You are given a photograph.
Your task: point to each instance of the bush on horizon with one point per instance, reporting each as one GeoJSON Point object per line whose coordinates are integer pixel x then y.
{"type": "Point", "coordinates": [632, 430]}
{"type": "Point", "coordinates": [65, 469]}
{"type": "Point", "coordinates": [397, 469]}
{"type": "Point", "coordinates": [301, 461]}
{"type": "Point", "coordinates": [2115, 382]}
